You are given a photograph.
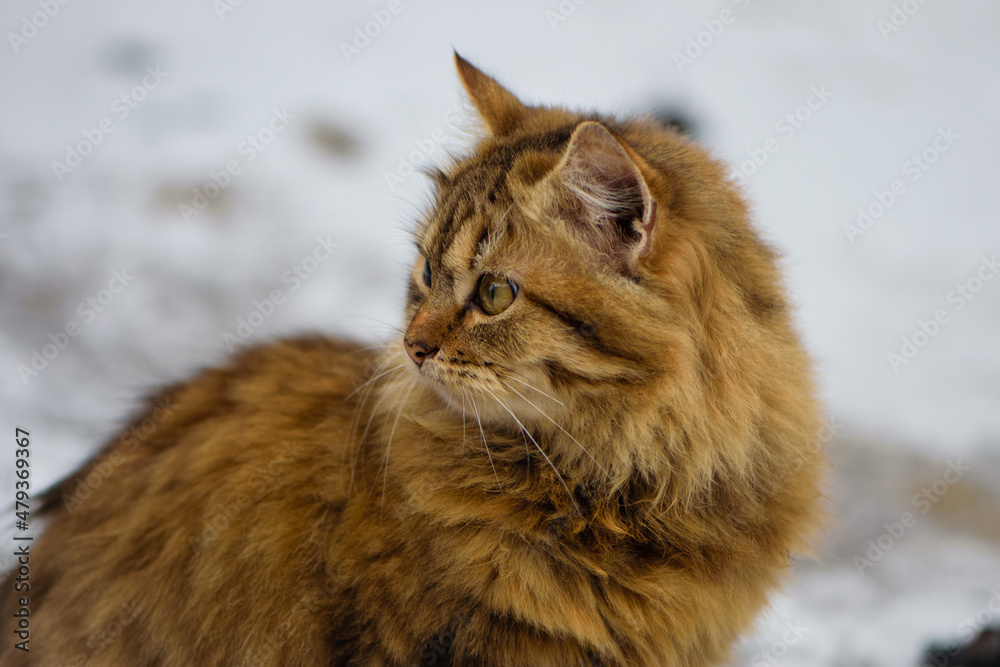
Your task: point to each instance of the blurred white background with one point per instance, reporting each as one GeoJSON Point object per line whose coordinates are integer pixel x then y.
{"type": "Point", "coordinates": [117, 116]}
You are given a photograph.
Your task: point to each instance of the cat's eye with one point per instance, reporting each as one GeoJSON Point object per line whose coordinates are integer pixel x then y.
{"type": "Point", "coordinates": [427, 272]}
{"type": "Point", "coordinates": [495, 293]}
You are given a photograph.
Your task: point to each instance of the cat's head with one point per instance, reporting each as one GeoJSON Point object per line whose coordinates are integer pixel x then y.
{"type": "Point", "coordinates": [579, 273]}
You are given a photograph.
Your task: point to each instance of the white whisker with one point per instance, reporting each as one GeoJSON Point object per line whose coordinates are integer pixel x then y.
{"type": "Point", "coordinates": [364, 435]}
{"type": "Point", "coordinates": [378, 346]}
{"type": "Point", "coordinates": [356, 420]}
{"type": "Point", "coordinates": [548, 396]}
{"type": "Point", "coordinates": [388, 444]}
{"type": "Point", "coordinates": [482, 434]}
{"type": "Point", "coordinates": [380, 375]}
{"type": "Point", "coordinates": [542, 412]}
{"type": "Point", "coordinates": [385, 324]}
{"type": "Point", "coordinates": [538, 447]}
{"type": "Point", "coordinates": [464, 395]}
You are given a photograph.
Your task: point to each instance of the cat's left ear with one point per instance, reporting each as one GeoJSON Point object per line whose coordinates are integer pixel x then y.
{"type": "Point", "coordinates": [500, 110]}
{"type": "Point", "coordinates": [610, 203]}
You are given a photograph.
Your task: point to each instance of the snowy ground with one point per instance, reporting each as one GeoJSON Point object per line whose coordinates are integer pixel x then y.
{"type": "Point", "coordinates": [903, 123]}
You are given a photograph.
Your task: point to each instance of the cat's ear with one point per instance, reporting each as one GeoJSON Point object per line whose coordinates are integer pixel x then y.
{"type": "Point", "coordinates": [610, 202]}
{"type": "Point", "coordinates": [500, 110]}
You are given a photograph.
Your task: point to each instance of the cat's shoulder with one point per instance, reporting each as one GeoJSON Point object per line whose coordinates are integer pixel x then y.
{"type": "Point", "coordinates": [302, 388]}
{"type": "Point", "coordinates": [310, 364]}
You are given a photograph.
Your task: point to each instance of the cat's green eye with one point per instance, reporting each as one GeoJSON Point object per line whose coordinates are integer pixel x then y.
{"type": "Point", "coordinates": [427, 272]}
{"type": "Point", "coordinates": [495, 293]}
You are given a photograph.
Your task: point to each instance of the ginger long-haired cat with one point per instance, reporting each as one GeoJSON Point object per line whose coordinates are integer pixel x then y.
{"type": "Point", "coordinates": [596, 443]}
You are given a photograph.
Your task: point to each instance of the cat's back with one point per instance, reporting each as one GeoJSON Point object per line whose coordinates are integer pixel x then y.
{"type": "Point", "coordinates": [222, 494]}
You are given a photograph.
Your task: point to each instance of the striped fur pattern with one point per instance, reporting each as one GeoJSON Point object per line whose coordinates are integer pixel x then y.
{"type": "Point", "coordinates": [614, 469]}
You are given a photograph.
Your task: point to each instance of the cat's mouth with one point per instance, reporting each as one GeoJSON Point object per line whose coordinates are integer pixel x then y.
{"type": "Point", "coordinates": [489, 392]}
{"type": "Point", "coordinates": [454, 379]}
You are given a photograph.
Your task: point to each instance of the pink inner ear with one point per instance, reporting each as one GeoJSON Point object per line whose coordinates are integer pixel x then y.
{"type": "Point", "coordinates": [645, 226]}
{"type": "Point", "coordinates": [618, 211]}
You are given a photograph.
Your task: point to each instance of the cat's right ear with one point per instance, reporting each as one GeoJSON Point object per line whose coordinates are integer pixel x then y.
{"type": "Point", "coordinates": [603, 195]}
{"type": "Point", "coordinates": [500, 110]}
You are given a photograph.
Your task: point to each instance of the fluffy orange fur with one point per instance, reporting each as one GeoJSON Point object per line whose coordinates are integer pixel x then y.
{"type": "Point", "coordinates": [596, 443]}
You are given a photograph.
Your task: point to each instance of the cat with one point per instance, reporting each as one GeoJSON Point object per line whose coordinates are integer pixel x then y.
{"type": "Point", "coordinates": [596, 442]}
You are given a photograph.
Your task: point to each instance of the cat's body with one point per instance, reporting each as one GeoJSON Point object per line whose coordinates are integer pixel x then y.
{"type": "Point", "coordinates": [601, 449]}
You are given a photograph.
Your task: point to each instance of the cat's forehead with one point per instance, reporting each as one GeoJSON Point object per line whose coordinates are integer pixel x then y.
{"type": "Point", "coordinates": [469, 214]}
{"type": "Point", "coordinates": [477, 201]}
{"type": "Point", "coordinates": [464, 230]}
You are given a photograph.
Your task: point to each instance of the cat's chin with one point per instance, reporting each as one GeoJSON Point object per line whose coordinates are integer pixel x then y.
{"type": "Point", "coordinates": [443, 386]}
{"type": "Point", "coordinates": [440, 387]}
{"type": "Point", "coordinates": [467, 400]}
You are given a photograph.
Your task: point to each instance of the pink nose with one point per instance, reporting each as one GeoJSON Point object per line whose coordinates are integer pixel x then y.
{"type": "Point", "coordinates": [419, 351]}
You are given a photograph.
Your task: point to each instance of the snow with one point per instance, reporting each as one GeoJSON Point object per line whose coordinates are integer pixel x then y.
{"type": "Point", "coordinates": [886, 100]}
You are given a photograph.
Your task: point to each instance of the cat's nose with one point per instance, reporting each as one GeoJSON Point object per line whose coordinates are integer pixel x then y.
{"type": "Point", "coordinates": [419, 351]}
